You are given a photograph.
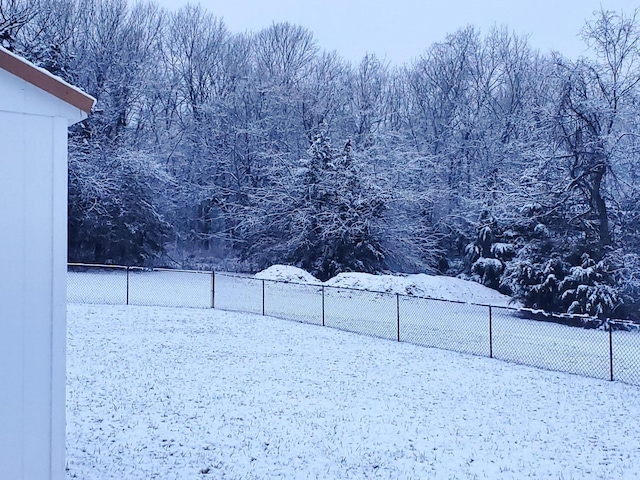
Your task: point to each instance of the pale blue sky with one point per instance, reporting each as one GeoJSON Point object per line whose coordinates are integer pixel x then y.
{"type": "Point", "coordinates": [400, 30]}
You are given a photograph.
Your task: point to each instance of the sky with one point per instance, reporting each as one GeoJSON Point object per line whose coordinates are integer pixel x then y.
{"type": "Point", "coordinates": [401, 30]}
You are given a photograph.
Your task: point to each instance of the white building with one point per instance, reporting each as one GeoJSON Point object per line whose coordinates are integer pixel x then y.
{"type": "Point", "coordinates": [35, 110]}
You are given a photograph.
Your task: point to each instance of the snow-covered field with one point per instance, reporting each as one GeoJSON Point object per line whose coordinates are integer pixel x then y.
{"type": "Point", "coordinates": [167, 393]}
{"type": "Point", "coordinates": [463, 327]}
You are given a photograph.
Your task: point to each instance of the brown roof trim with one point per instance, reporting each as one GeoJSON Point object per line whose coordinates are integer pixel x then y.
{"type": "Point", "coordinates": [46, 81]}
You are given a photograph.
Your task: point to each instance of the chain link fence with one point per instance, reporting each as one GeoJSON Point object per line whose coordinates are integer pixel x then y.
{"type": "Point", "coordinates": [550, 345]}
{"type": "Point", "coordinates": [574, 344]}
{"type": "Point", "coordinates": [457, 326]}
{"type": "Point", "coordinates": [293, 301]}
{"type": "Point", "coordinates": [170, 288]}
{"type": "Point", "coordinates": [360, 311]}
{"type": "Point", "coordinates": [97, 284]}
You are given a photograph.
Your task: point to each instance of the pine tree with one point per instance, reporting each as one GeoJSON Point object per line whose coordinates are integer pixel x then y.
{"type": "Point", "coordinates": [337, 213]}
{"type": "Point", "coordinates": [485, 256]}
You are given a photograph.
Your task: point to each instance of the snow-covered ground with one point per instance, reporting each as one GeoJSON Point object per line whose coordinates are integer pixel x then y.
{"type": "Point", "coordinates": [463, 327]}
{"type": "Point", "coordinates": [166, 393]}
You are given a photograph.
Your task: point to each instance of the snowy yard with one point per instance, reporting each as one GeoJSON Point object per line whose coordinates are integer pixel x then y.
{"type": "Point", "coordinates": [461, 327]}
{"type": "Point", "coordinates": [167, 393]}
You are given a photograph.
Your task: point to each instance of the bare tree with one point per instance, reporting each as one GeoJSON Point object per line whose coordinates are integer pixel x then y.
{"type": "Point", "coordinates": [596, 100]}
{"type": "Point", "coordinates": [15, 15]}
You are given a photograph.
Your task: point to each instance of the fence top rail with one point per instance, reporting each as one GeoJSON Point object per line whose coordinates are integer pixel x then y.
{"type": "Point", "coordinates": [176, 270]}
{"type": "Point", "coordinates": [143, 269]}
{"type": "Point", "coordinates": [97, 265]}
{"type": "Point", "coordinates": [244, 275]}
{"type": "Point", "coordinates": [336, 287]}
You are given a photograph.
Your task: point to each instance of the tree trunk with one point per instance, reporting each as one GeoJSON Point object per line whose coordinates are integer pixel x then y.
{"type": "Point", "coordinates": [601, 208]}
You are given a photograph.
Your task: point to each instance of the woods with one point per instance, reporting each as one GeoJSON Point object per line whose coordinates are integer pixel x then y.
{"type": "Point", "coordinates": [482, 157]}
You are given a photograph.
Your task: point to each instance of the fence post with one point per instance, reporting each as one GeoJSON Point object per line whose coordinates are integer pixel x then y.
{"type": "Point", "coordinates": [323, 305]}
{"type": "Point", "coordinates": [128, 285]}
{"type": "Point", "coordinates": [213, 289]}
{"type": "Point", "coordinates": [490, 332]}
{"type": "Point", "coordinates": [262, 297]}
{"type": "Point", "coordinates": [398, 313]}
{"type": "Point", "coordinates": [610, 352]}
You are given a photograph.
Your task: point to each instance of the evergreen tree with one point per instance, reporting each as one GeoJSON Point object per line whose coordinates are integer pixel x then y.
{"type": "Point", "coordinates": [338, 213]}
{"type": "Point", "coordinates": [485, 256]}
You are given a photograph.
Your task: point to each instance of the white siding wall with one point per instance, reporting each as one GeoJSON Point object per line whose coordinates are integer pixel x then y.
{"type": "Point", "coordinates": [33, 226]}
{"type": "Point", "coordinates": [18, 96]}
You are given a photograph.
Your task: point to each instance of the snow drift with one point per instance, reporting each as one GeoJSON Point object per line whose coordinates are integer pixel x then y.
{"type": "Point", "coordinates": [419, 285]}
{"type": "Point", "coordinates": [287, 273]}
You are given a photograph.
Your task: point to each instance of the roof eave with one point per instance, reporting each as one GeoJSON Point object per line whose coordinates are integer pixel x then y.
{"type": "Point", "coordinates": [46, 81]}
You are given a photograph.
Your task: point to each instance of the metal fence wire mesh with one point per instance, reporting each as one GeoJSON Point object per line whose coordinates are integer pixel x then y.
{"type": "Point", "coordinates": [550, 345]}
{"type": "Point", "coordinates": [97, 284]}
{"type": "Point", "coordinates": [369, 313]}
{"type": "Point", "coordinates": [606, 350]}
{"type": "Point", "coordinates": [170, 288]}
{"type": "Point", "coordinates": [293, 301]}
{"type": "Point", "coordinates": [461, 327]}
{"type": "Point", "coordinates": [625, 349]}
{"type": "Point", "coordinates": [238, 293]}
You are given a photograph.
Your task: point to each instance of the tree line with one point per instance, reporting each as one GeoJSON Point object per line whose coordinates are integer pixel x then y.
{"type": "Point", "coordinates": [482, 157]}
